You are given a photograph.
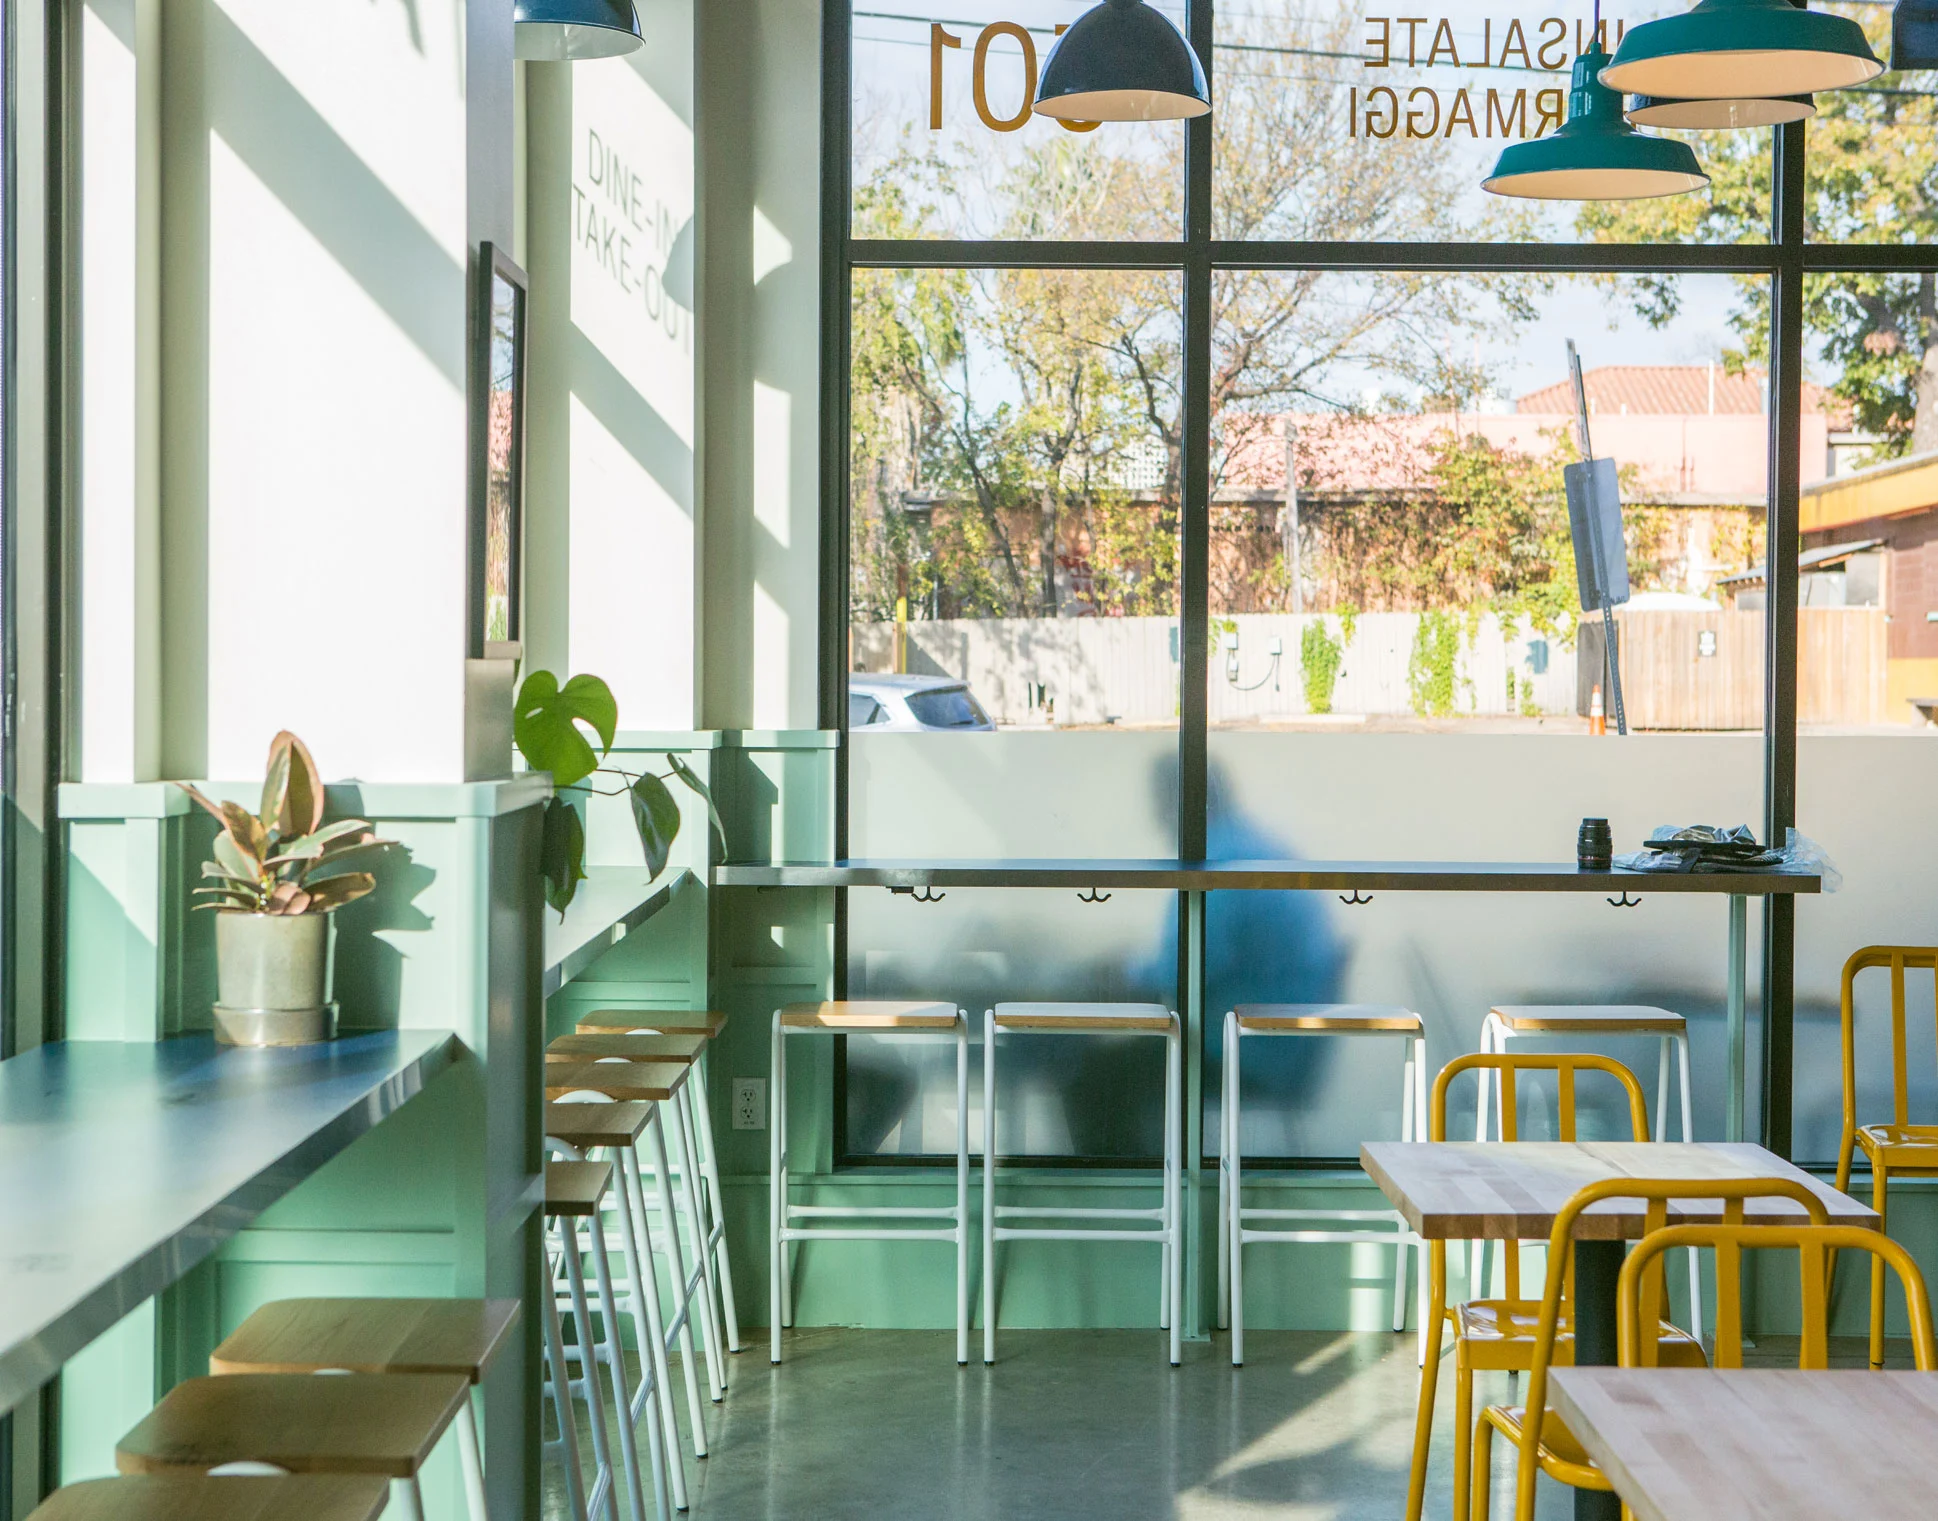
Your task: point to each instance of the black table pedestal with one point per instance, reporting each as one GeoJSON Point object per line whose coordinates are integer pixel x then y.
{"type": "Point", "coordinates": [1597, 1266]}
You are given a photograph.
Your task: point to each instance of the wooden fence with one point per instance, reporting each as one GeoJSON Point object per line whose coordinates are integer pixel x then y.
{"type": "Point", "coordinates": [1704, 670]}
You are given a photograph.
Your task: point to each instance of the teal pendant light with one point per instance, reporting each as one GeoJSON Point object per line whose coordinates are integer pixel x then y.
{"type": "Point", "coordinates": [1724, 114]}
{"type": "Point", "coordinates": [1742, 49]}
{"type": "Point", "coordinates": [1595, 155]}
{"type": "Point", "coordinates": [564, 31]}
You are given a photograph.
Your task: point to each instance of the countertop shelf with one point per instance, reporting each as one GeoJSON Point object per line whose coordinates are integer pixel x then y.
{"type": "Point", "coordinates": [611, 902]}
{"type": "Point", "coordinates": [1277, 876]}
{"type": "Point", "coordinates": [124, 1164]}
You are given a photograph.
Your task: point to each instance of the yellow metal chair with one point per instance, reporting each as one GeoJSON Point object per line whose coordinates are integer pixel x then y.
{"type": "Point", "coordinates": [1550, 1447]}
{"type": "Point", "coordinates": [1902, 1148]}
{"type": "Point", "coordinates": [1500, 1334]}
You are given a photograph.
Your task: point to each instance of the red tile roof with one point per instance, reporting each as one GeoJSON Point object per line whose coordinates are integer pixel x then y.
{"type": "Point", "coordinates": [1670, 390]}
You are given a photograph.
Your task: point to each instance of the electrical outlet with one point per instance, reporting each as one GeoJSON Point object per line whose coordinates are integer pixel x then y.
{"type": "Point", "coordinates": [750, 1103]}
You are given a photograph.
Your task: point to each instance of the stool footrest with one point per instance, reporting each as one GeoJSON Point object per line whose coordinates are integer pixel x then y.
{"type": "Point", "coordinates": [1057, 1212]}
{"type": "Point", "coordinates": [1321, 1214]}
{"type": "Point", "coordinates": [1342, 1238]}
{"type": "Point", "coordinates": [836, 1233]}
{"type": "Point", "coordinates": [1027, 1233]}
{"type": "Point", "coordinates": [858, 1212]}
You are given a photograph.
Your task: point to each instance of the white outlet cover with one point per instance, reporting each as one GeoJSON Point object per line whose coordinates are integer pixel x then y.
{"type": "Point", "coordinates": [750, 1103]}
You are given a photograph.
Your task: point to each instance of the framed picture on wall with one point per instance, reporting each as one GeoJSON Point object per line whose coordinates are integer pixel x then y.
{"type": "Point", "coordinates": [496, 581]}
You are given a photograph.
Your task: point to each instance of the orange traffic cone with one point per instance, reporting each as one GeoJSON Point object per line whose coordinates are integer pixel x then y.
{"type": "Point", "coordinates": [1597, 719]}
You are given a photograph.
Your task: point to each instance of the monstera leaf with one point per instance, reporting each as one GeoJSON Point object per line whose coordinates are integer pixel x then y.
{"type": "Point", "coordinates": [546, 721]}
{"type": "Point", "coordinates": [561, 853]}
{"type": "Point", "coordinates": [692, 779]}
{"type": "Point", "coordinates": [657, 818]}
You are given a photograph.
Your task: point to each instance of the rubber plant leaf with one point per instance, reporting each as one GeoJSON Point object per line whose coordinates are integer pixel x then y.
{"type": "Point", "coordinates": [657, 818]}
{"type": "Point", "coordinates": [546, 719]}
{"type": "Point", "coordinates": [692, 779]}
{"type": "Point", "coordinates": [561, 853]}
{"type": "Point", "coordinates": [302, 810]}
{"type": "Point", "coordinates": [335, 860]}
{"type": "Point", "coordinates": [333, 892]}
{"type": "Point", "coordinates": [246, 830]}
{"type": "Point", "coordinates": [275, 788]}
{"type": "Point", "coordinates": [314, 844]}
{"type": "Point", "coordinates": [201, 801]}
{"type": "Point", "coordinates": [234, 859]}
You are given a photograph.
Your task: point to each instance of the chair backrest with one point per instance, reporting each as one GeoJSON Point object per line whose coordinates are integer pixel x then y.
{"type": "Point", "coordinates": [1813, 1243]}
{"type": "Point", "coordinates": [1640, 1297]}
{"type": "Point", "coordinates": [1566, 1065]}
{"type": "Point", "coordinates": [1897, 958]}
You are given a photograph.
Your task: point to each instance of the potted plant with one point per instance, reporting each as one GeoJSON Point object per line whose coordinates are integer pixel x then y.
{"type": "Point", "coordinates": [276, 876]}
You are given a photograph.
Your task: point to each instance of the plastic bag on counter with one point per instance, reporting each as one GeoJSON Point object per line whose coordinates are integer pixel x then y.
{"type": "Point", "coordinates": [1710, 847]}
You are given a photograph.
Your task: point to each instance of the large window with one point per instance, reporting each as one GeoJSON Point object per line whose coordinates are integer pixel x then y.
{"type": "Point", "coordinates": [1167, 444]}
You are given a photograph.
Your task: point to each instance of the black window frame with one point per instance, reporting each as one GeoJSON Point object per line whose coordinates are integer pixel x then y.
{"type": "Point", "coordinates": [1786, 260]}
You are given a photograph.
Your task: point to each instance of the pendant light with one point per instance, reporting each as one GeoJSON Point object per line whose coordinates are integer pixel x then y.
{"type": "Point", "coordinates": [1914, 34]}
{"type": "Point", "coordinates": [1595, 155]}
{"type": "Point", "coordinates": [1718, 115]}
{"type": "Point", "coordinates": [1741, 49]}
{"type": "Point", "coordinates": [1122, 61]}
{"type": "Point", "coordinates": [563, 31]}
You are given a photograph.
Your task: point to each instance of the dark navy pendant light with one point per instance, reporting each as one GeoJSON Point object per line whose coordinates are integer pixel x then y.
{"type": "Point", "coordinates": [1122, 61]}
{"type": "Point", "coordinates": [1742, 49]}
{"type": "Point", "coordinates": [1719, 115]}
{"type": "Point", "coordinates": [563, 31]}
{"type": "Point", "coordinates": [1595, 155]}
{"type": "Point", "coordinates": [1914, 34]}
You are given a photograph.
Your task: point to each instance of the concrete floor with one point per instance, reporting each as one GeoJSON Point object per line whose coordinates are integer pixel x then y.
{"type": "Point", "coordinates": [1317, 1426]}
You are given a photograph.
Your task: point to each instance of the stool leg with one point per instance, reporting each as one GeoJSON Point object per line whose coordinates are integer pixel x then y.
{"type": "Point", "coordinates": [595, 1405]}
{"type": "Point", "coordinates": [1165, 1308]}
{"type": "Point", "coordinates": [683, 1331]}
{"type": "Point", "coordinates": [1235, 1167]}
{"type": "Point", "coordinates": [962, 1189]}
{"type": "Point", "coordinates": [1406, 1134]}
{"type": "Point", "coordinates": [675, 1255]}
{"type": "Point", "coordinates": [1226, 1061]}
{"type": "Point", "coordinates": [406, 1499]}
{"type": "Point", "coordinates": [1420, 1134]}
{"type": "Point", "coordinates": [648, 1324]}
{"type": "Point", "coordinates": [1477, 1250]}
{"type": "Point", "coordinates": [989, 1187]}
{"type": "Point", "coordinates": [776, 1190]}
{"type": "Point", "coordinates": [716, 1205]}
{"type": "Point", "coordinates": [562, 1400]}
{"type": "Point", "coordinates": [628, 1448]}
{"type": "Point", "coordinates": [1174, 1244]}
{"type": "Point", "coordinates": [690, 1186]}
{"type": "Point", "coordinates": [471, 1460]}
{"type": "Point", "coordinates": [1689, 1134]}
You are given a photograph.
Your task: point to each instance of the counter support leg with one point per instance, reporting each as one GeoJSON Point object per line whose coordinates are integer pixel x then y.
{"type": "Point", "coordinates": [1198, 1310]}
{"type": "Point", "coordinates": [1739, 914]}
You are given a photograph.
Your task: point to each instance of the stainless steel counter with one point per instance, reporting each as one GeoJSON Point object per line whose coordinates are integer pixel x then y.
{"type": "Point", "coordinates": [124, 1165]}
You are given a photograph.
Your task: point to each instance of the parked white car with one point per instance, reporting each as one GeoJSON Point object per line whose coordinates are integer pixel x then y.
{"type": "Point", "coordinates": [913, 704]}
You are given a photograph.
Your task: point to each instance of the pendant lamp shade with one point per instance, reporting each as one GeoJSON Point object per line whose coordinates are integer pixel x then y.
{"type": "Point", "coordinates": [1122, 61]}
{"type": "Point", "coordinates": [1595, 155]}
{"type": "Point", "coordinates": [1718, 115]}
{"type": "Point", "coordinates": [1914, 34]}
{"type": "Point", "coordinates": [563, 31]}
{"type": "Point", "coordinates": [1741, 49]}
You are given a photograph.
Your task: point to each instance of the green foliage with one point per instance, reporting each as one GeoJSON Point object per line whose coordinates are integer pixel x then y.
{"type": "Point", "coordinates": [1319, 659]}
{"type": "Point", "coordinates": [547, 722]}
{"type": "Point", "coordinates": [1528, 706]}
{"type": "Point", "coordinates": [1430, 679]}
{"type": "Point", "coordinates": [283, 859]}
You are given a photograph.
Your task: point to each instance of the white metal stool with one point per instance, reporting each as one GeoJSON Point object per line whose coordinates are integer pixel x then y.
{"type": "Point", "coordinates": [593, 1123]}
{"type": "Point", "coordinates": [660, 1084]}
{"type": "Point", "coordinates": [1086, 1019]}
{"type": "Point", "coordinates": [1340, 1019]}
{"type": "Point", "coordinates": [904, 1020]}
{"type": "Point", "coordinates": [575, 1192]}
{"type": "Point", "coordinates": [1507, 1022]}
{"type": "Point", "coordinates": [707, 1025]}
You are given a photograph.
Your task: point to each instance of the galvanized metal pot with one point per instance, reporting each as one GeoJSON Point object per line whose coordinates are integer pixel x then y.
{"type": "Point", "coordinates": [272, 975]}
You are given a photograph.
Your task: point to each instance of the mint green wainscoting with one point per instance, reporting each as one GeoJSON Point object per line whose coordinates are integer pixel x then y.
{"type": "Point", "coordinates": [440, 1198]}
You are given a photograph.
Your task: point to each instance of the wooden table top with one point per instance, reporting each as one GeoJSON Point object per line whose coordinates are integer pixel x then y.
{"type": "Point", "coordinates": [1495, 1191]}
{"type": "Point", "coordinates": [1705, 1444]}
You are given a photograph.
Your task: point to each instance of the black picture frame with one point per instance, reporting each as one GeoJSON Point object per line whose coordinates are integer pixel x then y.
{"type": "Point", "coordinates": [496, 538]}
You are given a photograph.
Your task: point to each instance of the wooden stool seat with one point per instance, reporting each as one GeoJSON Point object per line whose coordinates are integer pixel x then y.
{"type": "Point", "coordinates": [663, 1021]}
{"type": "Point", "coordinates": [583, 1126]}
{"type": "Point", "coordinates": [1093, 1017]}
{"type": "Point", "coordinates": [1589, 1019]}
{"type": "Point", "coordinates": [575, 1188]}
{"type": "Point", "coordinates": [308, 1497]}
{"type": "Point", "coordinates": [348, 1423]}
{"type": "Point", "coordinates": [1328, 1018]}
{"type": "Point", "coordinates": [634, 1048]}
{"type": "Point", "coordinates": [638, 1081]}
{"type": "Point", "coordinates": [875, 1016]}
{"type": "Point", "coordinates": [459, 1336]}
